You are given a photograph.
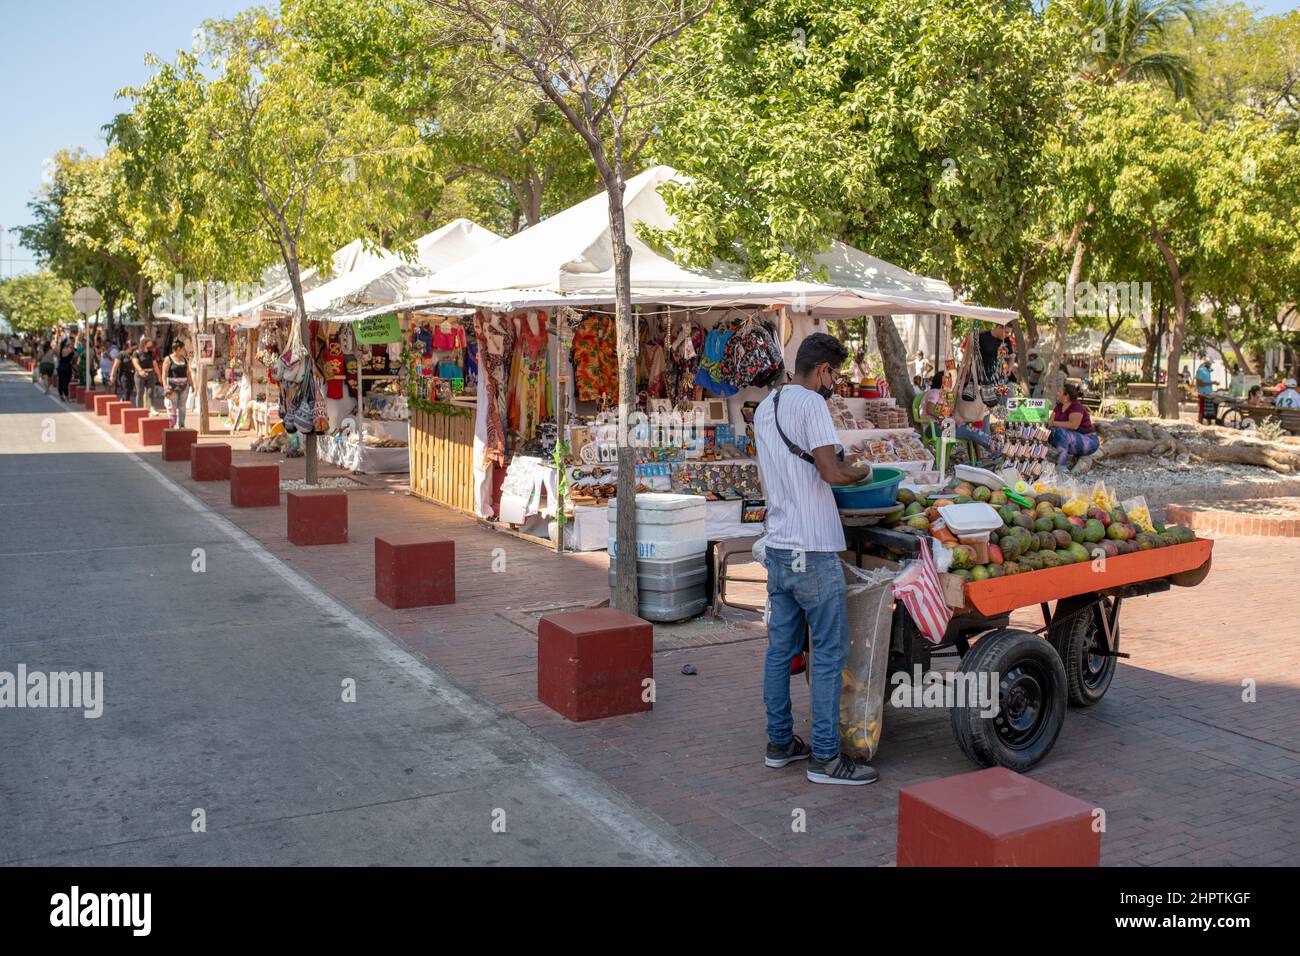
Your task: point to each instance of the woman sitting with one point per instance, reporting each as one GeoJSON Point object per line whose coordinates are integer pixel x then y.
{"type": "Point", "coordinates": [938, 406]}
{"type": "Point", "coordinates": [1072, 431]}
{"type": "Point", "coordinates": [1255, 397]}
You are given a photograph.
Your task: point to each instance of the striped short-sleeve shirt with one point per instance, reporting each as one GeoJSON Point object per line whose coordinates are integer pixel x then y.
{"type": "Point", "coordinates": [801, 512]}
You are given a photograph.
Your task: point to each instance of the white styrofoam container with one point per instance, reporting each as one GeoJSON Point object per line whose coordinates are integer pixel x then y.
{"type": "Point", "coordinates": [664, 509]}
{"type": "Point", "coordinates": [971, 518]}
{"type": "Point", "coordinates": [667, 526]}
{"type": "Point", "coordinates": [664, 550]}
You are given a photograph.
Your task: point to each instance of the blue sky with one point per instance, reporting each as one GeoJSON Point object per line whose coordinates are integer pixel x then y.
{"type": "Point", "coordinates": [61, 63]}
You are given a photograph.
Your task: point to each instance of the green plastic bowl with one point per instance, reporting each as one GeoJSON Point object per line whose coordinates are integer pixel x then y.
{"type": "Point", "coordinates": [880, 492]}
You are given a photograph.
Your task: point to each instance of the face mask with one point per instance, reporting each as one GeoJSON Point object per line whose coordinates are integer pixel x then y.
{"type": "Point", "coordinates": [825, 391]}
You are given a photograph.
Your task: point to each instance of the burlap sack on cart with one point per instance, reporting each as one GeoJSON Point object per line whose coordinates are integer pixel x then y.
{"type": "Point", "coordinates": [862, 683]}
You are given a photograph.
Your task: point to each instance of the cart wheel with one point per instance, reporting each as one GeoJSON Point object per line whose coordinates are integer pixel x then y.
{"type": "Point", "coordinates": [1078, 640]}
{"type": "Point", "coordinates": [1031, 701]}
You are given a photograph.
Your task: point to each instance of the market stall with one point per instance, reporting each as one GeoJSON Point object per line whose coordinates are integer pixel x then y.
{"type": "Point", "coordinates": [710, 347]}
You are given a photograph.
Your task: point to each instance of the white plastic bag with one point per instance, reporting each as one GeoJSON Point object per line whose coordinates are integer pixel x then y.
{"type": "Point", "coordinates": [870, 606]}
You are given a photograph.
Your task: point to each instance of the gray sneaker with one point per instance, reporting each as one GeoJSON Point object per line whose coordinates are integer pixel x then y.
{"type": "Point", "coordinates": [780, 756]}
{"type": "Point", "coordinates": [840, 769]}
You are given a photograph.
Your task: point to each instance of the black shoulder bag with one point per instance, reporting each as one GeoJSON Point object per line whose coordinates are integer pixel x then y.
{"type": "Point", "coordinates": [794, 449]}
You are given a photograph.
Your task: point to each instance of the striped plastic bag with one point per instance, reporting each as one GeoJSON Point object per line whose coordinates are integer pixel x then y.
{"type": "Point", "coordinates": [918, 588]}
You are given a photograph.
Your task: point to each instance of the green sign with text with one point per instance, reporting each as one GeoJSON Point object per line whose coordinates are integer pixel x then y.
{"type": "Point", "coordinates": [378, 330]}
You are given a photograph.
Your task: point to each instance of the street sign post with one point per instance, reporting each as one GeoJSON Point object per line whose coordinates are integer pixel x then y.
{"type": "Point", "coordinates": [86, 300]}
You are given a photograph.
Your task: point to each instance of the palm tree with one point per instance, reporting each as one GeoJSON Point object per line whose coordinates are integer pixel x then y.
{"type": "Point", "coordinates": [1126, 41]}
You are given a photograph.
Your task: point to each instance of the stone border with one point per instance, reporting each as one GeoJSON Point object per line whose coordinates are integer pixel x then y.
{"type": "Point", "coordinates": [1206, 518]}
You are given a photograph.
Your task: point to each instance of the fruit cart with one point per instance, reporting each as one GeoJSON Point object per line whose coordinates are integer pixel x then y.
{"type": "Point", "coordinates": [1069, 660]}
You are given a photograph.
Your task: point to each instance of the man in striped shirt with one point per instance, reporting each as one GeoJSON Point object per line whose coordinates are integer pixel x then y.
{"type": "Point", "coordinates": [799, 459]}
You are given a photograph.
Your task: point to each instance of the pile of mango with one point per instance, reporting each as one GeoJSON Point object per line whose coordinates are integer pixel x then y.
{"type": "Point", "coordinates": [1042, 536]}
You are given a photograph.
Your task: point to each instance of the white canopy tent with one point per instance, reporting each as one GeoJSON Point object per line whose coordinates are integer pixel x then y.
{"type": "Point", "coordinates": [379, 283]}
{"type": "Point", "coordinates": [276, 284]}
{"type": "Point", "coordinates": [567, 260]}
{"type": "Point", "coordinates": [1081, 341]}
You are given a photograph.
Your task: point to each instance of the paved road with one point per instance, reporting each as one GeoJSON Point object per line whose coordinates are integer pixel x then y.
{"type": "Point", "coordinates": [223, 693]}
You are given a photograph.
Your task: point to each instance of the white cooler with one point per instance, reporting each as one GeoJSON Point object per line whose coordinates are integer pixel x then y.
{"type": "Point", "coordinates": [667, 526]}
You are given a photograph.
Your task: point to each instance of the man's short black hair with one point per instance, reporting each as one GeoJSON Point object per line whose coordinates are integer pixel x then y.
{"type": "Point", "coordinates": [817, 349]}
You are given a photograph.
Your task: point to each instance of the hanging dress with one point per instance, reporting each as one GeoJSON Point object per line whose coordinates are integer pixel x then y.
{"type": "Point", "coordinates": [496, 339]}
{"type": "Point", "coordinates": [528, 378]}
{"type": "Point", "coordinates": [595, 359]}
{"type": "Point", "coordinates": [687, 349]}
{"type": "Point", "coordinates": [654, 365]}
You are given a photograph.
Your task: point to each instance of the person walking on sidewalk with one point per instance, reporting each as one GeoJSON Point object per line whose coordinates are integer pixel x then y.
{"type": "Point", "coordinates": [67, 357]}
{"type": "Point", "coordinates": [49, 361]}
{"type": "Point", "coordinates": [145, 363]}
{"type": "Point", "coordinates": [178, 380]}
{"type": "Point", "coordinates": [799, 458]}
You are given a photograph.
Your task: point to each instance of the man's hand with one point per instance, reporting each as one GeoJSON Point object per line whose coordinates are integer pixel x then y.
{"type": "Point", "coordinates": [835, 472]}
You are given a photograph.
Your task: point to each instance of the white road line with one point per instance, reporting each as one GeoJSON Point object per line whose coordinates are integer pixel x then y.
{"type": "Point", "coordinates": [605, 811]}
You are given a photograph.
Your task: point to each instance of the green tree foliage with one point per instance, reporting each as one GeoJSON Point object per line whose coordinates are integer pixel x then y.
{"type": "Point", "coordinates": [80, 230]}
{"type": "Point", "coordinates": [914, 131]}
{"type": "Point", "coordinates": [502, 154]}
{"type": "Point", "coordinates": [37, 302]}
{"type": "Point", "coordinates": [1131, 40]}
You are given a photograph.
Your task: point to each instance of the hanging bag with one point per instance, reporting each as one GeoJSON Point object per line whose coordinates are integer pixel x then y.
{"type": "Point", "coordinates": [969, 404]}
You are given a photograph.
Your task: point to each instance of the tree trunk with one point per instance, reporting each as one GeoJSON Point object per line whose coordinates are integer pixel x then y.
{"type": "Point", "coordinates": [1225, 328]}
{"type": "Point", "coordinates": [1170, 408]}
{"type": "Point", "coordinates": [894, 354]}
{"type": "Point", "coordinates": [143, 306]}
{"type": "Point", "coordinates": [1154, 334]}
{"type": "Point", "coordinates": [311, 469]}
{"type": "Point", "coordinates": [1022, 352]}
{"type": "Point", "coordinates": [625, 583]}
{"type": "Point", "coordinates": [1052, 378]}
{"type": "Point", "coordinates": [204, 421]}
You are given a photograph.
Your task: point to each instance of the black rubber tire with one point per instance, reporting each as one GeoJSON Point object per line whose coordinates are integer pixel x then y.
{"type": "Point", "coordinates": [1028, 721]}
{"type": "Point", "coordinates": [1087, 675]}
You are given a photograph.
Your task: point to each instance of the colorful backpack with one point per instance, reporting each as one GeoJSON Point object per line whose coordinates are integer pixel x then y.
{"type": "Point", "coordinates": [752, 357]}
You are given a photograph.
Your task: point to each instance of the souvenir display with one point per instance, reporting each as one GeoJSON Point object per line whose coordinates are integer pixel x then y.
{"type": "Point", "coordinates": [1025, 445]}
{"type": "Point", "coordinates": [717, 481]}
{"type": "Point", "coordinates": [903, 446]}
{"type": "Point", "coordinates": [885, 413]}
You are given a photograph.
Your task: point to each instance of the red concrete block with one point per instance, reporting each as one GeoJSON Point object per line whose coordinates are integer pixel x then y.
{"type": "Point", "coordinates": [151, 430]}
{"type": "Point", "coordinates": [317, 516]}
{"type": "Point", "coordinates": [994, 818]}
{"type": "Point", "coordinates": [101, 402]}
{"type": "Point", "coordinates": [594, 663]}
{"type": "Point", "coordinates": [88, 398]}
{"type": "Point", "coordinates": [115, 410]}
{"type": "Point", "coordinates": [74, 391]}
{"type": "Point", "coordinates": [209, 462]}
{"type": "Point", "coordinates": [176, 443]}
{"type": "Point", "coordinates": [413, 571]}
{"type": "Point", "coordinates": [255, 486]}
{"type": "Point", "coordinates": [131, 419]}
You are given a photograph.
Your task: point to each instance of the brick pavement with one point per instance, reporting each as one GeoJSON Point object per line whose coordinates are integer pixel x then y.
{"type": "Point", "coordinates": [1268, 518]}
{"type": "Point", "coordinates": [1186, 771]}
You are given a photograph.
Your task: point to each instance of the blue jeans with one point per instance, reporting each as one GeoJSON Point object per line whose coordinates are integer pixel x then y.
{"type": "Point", "coordinates": [1068, 442]}
{"type": "Point", "coordinates": [811, 596]}
{"type": "Point", "coordinates": [978, 436]}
